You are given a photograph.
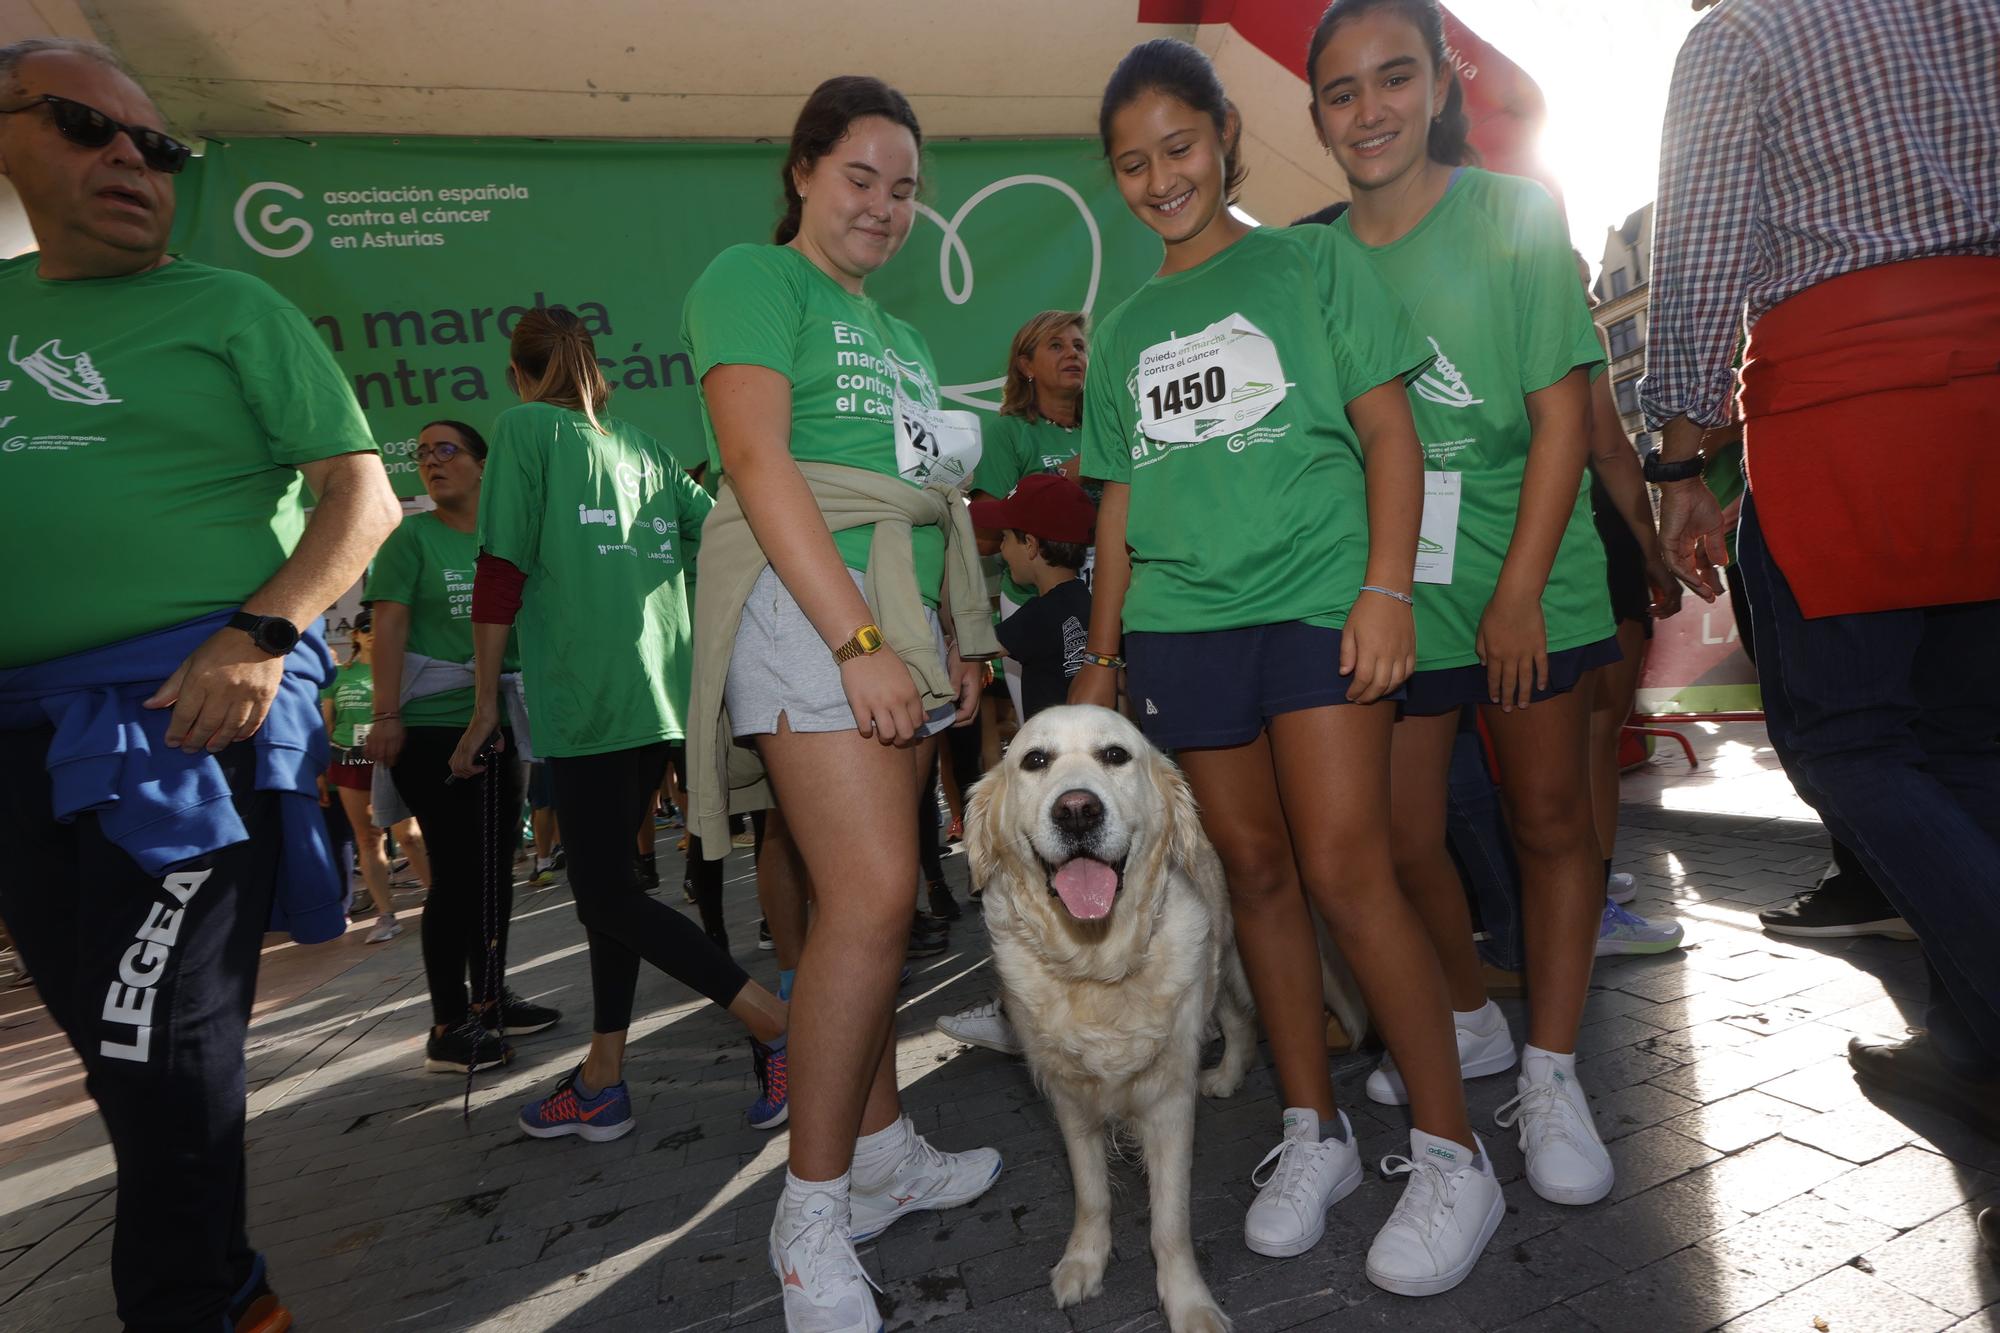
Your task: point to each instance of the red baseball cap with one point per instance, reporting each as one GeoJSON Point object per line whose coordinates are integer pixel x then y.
{"type": "Point", "coordinates": [1046, 505]}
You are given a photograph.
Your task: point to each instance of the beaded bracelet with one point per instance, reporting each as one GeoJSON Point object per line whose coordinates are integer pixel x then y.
{"type": "Point", "coordinates": [1402, 597]}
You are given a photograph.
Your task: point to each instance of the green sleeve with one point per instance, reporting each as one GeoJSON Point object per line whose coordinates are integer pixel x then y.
{"type": "Point", "coordinates": [1556, 333]}
{"type": "Point", "coordinates": [1107, 417]}
{"type": "Point", "coordinates": [295, 390]}
{"type": "Point", "coordinates": [393, 576]}
{"type": "Point", "coordinates": [744, 310]}
{"type": "Point", "coordinates": [1373, 338]}
{"type": "Point", "coordinates": [512, 495]}
{"type": "Point", "coordinates": [1002, 456]}
{"type": "Point", "coordinates": [693, 504]}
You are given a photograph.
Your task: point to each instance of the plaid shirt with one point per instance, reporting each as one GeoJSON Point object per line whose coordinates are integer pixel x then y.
{"type": "Point", "coordinates": [1805, 139]}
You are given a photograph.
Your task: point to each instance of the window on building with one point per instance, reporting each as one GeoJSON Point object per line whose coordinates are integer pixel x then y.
{"type": "Point", "coordinates": [1627, 392]}
{"type": "Point", "coordinates": [1624, 338]}
{"type": "Point", "coordinates": [1620, 284]}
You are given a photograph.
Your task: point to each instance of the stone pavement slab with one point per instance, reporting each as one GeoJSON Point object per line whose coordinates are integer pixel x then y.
{"type": "Point", "coordinates": [1759, 1188]}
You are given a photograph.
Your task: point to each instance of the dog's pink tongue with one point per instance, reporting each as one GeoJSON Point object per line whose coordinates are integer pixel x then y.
{"type": "Point", "coordinates": [1087, 888]}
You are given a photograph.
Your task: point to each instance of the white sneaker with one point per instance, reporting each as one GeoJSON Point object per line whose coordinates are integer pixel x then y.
{"type": "Point", "coordinates": [824, 1285]}
{"type": "Point", "coordinates": [386, 928]}
{"type": "Point", "coordinates": [1308, 1175]}
{"type": "Point", "coordinates": [925, 1179]}
{"type": "Point", "coordinates": [1621, 888]}
{"type": "Point", "coordinates": [1485, 1046]}
{"type": "Point", "coordinates": [1449, 1210]}
{"type": "Point", "coordinates": [1567, 1162]}
{"type": "Point", "coordinates": [982, 1025]}
{"type": "Point", "coordinates": [1623, 932]}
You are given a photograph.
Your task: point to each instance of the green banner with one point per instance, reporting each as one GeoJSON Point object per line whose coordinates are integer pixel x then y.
{"type": "Point", "coordinates": [414, 257]}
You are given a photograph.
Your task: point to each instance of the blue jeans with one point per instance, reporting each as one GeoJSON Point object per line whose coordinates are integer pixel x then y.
{"type": "Point", "coordinates": [1888, 724]}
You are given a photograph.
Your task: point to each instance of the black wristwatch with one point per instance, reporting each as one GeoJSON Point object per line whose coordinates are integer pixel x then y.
{"type": "Point", "coordinates": [273, 634]}
{"type": "Point", "coordinates": [1658, 470]}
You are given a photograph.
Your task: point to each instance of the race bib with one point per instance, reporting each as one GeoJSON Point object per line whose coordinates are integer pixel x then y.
{"type": "Point", "coordinates": [1217, 382]}
{"type": "Point", "coordinates": [361, 730]}
{"type": "Point", "coordinates": [934, 446]}
{"type": "Point", "coordinates": [1437, 537]}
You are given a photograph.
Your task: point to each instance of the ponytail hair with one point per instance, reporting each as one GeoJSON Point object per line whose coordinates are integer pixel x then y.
{"type": "Point", "coordinates": [1449, 141]}
{"type": "Point", "coordinates": [1181, 71]}
{"type": "Point", "coordinates": [823, 122]}
{"type": "Point", "coordinates": [559, 360]}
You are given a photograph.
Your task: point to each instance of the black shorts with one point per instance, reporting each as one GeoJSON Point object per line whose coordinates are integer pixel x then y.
{"type": "Point", "coordinates": [1448, 689]}
{"type": "Point", "coordinates": [1220, 688]}
{"type": "Point", "coordinates": [1624, 569]}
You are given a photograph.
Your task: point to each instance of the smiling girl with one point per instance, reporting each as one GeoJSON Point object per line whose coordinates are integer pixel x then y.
{"type": "Point", "coordinates": [1511, 601]}
{"type": "Point", "coordinates": [816, 399]}
{"type": "Point", "coordinates": [1245, 410]}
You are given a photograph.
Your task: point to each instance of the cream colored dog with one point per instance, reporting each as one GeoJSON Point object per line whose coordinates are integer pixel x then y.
{"type": "Point", "coordinates": [1111, 931]}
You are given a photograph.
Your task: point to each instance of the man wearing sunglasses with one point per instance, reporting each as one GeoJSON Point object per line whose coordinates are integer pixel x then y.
{"type": "Point", "coordinates": [158, 725]}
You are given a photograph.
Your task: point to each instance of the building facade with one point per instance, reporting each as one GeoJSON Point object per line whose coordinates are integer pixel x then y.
{"type": "Point", "coordinates": [1621, 291]}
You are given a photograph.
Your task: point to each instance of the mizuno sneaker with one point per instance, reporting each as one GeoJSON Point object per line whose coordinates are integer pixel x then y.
{"type": "Point", "coordinates": [821, 1277]}
{"type": "Point", "coordinates": [924, 1180]}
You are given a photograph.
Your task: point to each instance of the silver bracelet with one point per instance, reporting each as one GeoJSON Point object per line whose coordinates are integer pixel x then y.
{"type": "Point", "coordinates": [1402, 597]}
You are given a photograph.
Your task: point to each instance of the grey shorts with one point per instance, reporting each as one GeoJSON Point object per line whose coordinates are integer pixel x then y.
{"type": "Point", "coordinates": [781, 667]}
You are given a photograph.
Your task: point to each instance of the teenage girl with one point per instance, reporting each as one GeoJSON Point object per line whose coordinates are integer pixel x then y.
{"type": "Point", "coordinates": [1262, 487]}
{"type": "Point", "coordinates": [1511, 603]}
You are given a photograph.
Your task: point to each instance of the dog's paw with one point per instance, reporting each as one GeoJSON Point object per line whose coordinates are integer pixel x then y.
{"type": "Point", "coordinates": [1076, 1279]}
{"type": "Point", "coordinates": [1221, 1081]}
{"type": "Point", "coordinates": [1204, 1318]}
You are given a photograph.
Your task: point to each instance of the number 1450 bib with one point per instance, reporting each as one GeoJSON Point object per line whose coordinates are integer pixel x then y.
{"type": "Point", "coordinates": [1221, 380]}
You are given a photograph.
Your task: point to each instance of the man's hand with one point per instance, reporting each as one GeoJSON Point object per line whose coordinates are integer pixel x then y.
{"type": "Point", "coordinates": [221, 694]}
{"type": "Point", "coordinates": [1691, 536]}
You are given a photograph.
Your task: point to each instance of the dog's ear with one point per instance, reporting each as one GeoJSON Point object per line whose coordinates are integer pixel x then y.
{"type": "Point", "coordinates": [984, 831]}
{"type": "Point", "coordinates": [1183, 819]}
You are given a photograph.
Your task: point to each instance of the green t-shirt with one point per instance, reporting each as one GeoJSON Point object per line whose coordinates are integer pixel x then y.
{"type": "Point", "coordinates": [151, 428]}
{"type": "Point", "coordinates": [603, 526]}
{"type": "Point", "coordinates": [1012, 448]}
{"type": "Point", "coordinates": [1219, 395]}
{"type": "Point", "coordinates": [427, 566]}
{"type": "Point", "coordinates": [1490, 280]}
{"type": "Point", "coordinates": [353, 695]}
{"type": "Point", "coordinates": [855, 370]}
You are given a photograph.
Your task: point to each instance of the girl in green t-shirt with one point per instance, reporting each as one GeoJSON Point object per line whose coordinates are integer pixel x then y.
{"type": "Point", "coordinates": [1262, 486]}
{"type": "Point", "coordinates": [1512, 609]}
{"type": "Point", "coordinates": [797, 364]}
{"type": "Point", "coordinates": [348, 706]}
{"type": "Point", "coordinates": [586, 524]}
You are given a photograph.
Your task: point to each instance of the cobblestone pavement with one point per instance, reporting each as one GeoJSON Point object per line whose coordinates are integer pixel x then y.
{"type": "Point", "coordinates": [1758, 1188]}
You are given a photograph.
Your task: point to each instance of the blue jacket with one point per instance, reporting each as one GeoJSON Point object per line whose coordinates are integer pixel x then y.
{"type": "Point", "coordinates": [162, 807]}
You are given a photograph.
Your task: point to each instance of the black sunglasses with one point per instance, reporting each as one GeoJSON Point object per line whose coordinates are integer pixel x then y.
{"type": "Point", "coordinates": [88, 127]}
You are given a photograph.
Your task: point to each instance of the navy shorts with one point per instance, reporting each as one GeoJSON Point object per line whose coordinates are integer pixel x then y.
{"type": "Point", "coordinates": [541, 786]}
{"type": "Point", "coordinates": [1221, 688]}
{"type": "Point", "coordinates": [1448, 689]}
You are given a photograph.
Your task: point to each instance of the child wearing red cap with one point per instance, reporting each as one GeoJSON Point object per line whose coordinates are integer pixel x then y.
{"type": "Point", "coordinates": [1047, 526]}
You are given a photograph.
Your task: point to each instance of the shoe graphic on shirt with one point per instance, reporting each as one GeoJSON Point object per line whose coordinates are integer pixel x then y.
{"type": "Point", "coordinates": [1443, 383]}
{"type": "Point", "coordinates": [69, 379]}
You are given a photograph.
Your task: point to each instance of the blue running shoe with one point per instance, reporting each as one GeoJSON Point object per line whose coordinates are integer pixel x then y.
{"type": "Point", "coordinates": [600, 1119]}
{"type": "Point", "coordinates": [1623, 932]}
{"type": "Point", "coordinates": [772, 1105]}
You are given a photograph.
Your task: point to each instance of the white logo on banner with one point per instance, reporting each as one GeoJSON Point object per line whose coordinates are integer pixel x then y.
{"type": "Point", "coordinates": [272, 220]}
{"type": "Point", "coordinates": [953, 248]}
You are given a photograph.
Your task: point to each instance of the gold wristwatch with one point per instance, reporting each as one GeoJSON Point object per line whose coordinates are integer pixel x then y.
{"type": "Point", "coordinates": [866, 641]}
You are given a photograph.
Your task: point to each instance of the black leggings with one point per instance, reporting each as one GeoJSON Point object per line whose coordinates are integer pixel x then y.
{"type": "Point", "coordinates": [454, 817]}
{"type": "Point", "coordinates": [600, 799]}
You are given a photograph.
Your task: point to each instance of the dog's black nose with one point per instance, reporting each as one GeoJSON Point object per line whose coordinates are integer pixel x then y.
{"type": "Point", "coordinates": [1078, 812]}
